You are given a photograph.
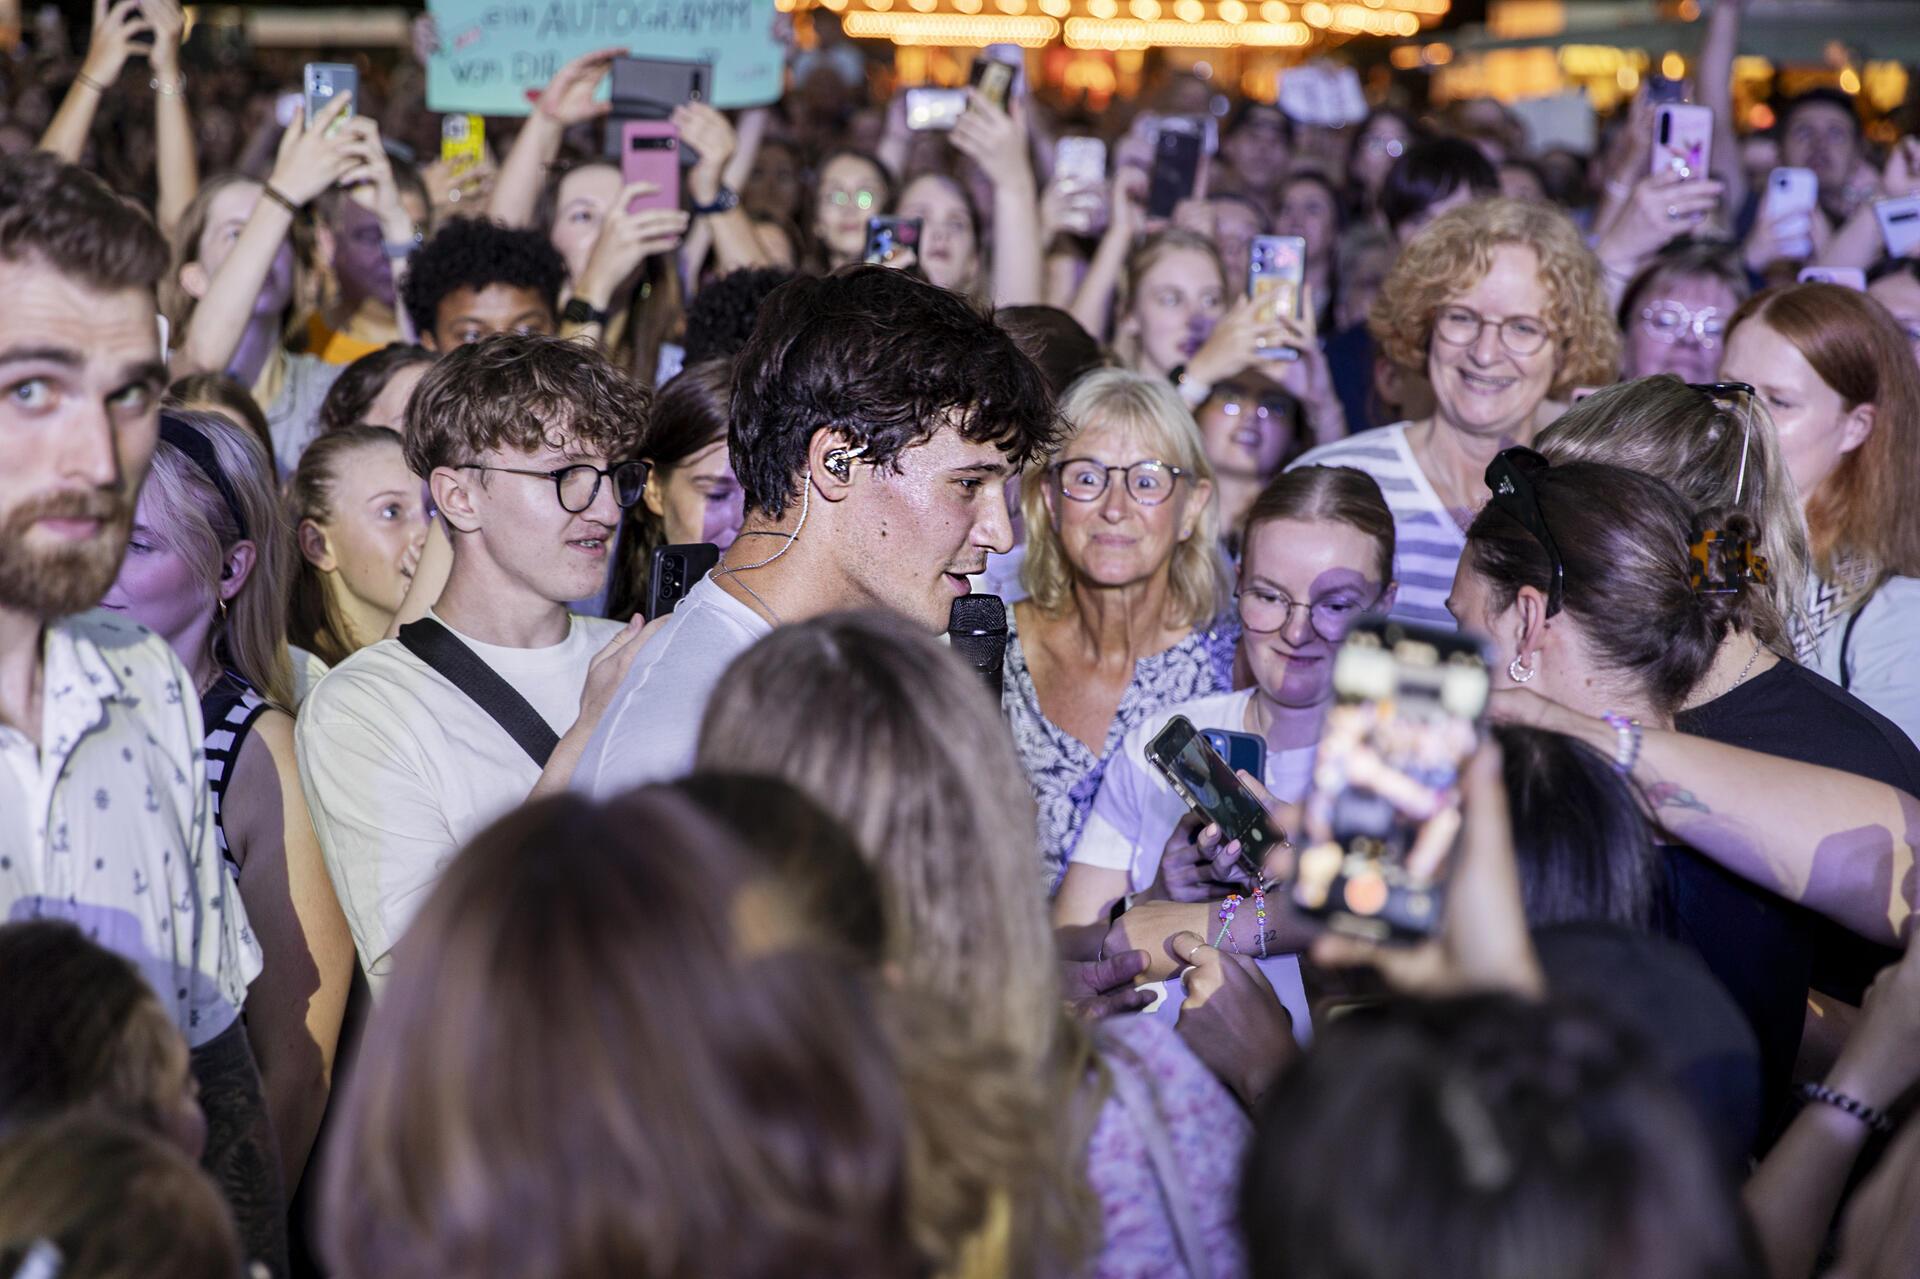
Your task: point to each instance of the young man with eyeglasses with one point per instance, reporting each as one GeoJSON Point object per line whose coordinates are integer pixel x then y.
{"type": "Point", "coordinates": [413, 745]}
{"type": "Point", "coordinates": [874, 451]}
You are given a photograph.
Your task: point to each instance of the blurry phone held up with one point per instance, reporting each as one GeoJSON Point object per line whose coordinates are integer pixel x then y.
{"type": "Point", "coordinates": [1276, 266]}
{"type": "Point", "coordinates": [1683, 140]}
{"type": "Point", "coordinates": [1080, 159]}
{"type": "Point", "coordinates": [322, 82]}
{"type": "Point", "coordinates": [650, 152]}
{"type": "Point", "coordinates": [1202, 778]}
{"type": "Point", "coordinates": [1381, 813]}
{"type": "Point", "coordinates": [893, 242]}
{"type": "Point", "coordinates": [1175, 176]}
{"type": "Point", "coordinates": [463, 141]}
{"type": "Point", "coordinates": [674, 571]}
{"type": "Point", "coordinates": [937, 110]}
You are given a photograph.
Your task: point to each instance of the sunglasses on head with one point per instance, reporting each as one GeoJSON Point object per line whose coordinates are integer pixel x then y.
{"type": "Point", "coordinates": [1510, 477]}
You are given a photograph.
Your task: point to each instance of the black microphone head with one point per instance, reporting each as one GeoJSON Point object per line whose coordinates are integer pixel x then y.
{"type": "Point", "coordinates": [977, 615]}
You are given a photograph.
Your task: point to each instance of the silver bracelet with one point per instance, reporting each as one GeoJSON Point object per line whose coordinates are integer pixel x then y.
{"type": "Point", "coordinates": [178, 87]}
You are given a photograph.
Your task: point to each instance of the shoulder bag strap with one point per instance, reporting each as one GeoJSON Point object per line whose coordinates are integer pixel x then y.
{"type": "Point", "coordinates": [1846, 640]}
{"type": "Point", "coordinates": [1137, 1097]}
{"type": "Point", "coordinates": [441, 649]}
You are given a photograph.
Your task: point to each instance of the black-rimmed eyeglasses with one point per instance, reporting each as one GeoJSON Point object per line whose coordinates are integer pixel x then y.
{"type": "Point", "coordinates": [578, 485]}
{"type": "Point", "coordinates": [1510, 476]}
{"type": "Point", "coordinates": [1082, 479]}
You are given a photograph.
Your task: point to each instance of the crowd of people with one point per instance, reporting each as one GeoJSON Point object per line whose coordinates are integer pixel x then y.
{"type": "Point", "coordinates": [415, 861]}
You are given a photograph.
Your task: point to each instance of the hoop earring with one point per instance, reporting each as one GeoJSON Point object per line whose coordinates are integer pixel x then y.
{"type": "Point", "coordinates": [1519, 674]}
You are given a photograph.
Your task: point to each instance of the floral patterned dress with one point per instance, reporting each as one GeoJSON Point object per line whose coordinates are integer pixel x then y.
{"type": "Point", "coordinates": [1064, 774]}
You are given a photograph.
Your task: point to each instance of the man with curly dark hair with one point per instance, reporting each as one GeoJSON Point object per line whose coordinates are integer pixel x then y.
{"type": "Point", "coordinates": [721, 316]}
{"type": "Point", "coordinates": [475, 278]}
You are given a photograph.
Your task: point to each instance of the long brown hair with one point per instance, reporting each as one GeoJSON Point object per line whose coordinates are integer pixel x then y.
{"type": "Point", "coordinates": [1863, 512]}
{"type": "Point", "coordinates": [314, 622]}
{"type": "Point", "coordinates": [889, 732]}
{"type": "Point", "coordinates": [608, 1050]}
{"type": "Point", "coordinates": [689, 414]}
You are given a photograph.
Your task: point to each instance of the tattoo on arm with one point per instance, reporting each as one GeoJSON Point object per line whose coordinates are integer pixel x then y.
{"type": "Point", "coordinates": [241, 1156]}
{"type": "Point", "coordinates": [1668, 795]}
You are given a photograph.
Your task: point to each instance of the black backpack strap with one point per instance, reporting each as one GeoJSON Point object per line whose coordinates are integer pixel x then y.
{"type": "Point", "coordinates": [441, 649]}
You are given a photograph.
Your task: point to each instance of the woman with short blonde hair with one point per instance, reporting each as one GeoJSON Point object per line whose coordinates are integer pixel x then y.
{"type": "Point", "coordinates": [1503, 308]}
{"type": "Point", "coordinates": [1127, 607]}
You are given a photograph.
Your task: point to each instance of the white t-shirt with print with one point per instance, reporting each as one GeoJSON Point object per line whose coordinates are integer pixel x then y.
{"type": "Point", "coordinates": [1136, 812]}
{"type": "Point", "coordinates": [402, 768]}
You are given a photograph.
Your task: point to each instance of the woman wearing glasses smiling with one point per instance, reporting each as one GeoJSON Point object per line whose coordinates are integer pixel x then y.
{"type": "Point", "coordinates": [1504, 309]}
{"type": "Point", "coordinates": [1127, 592]}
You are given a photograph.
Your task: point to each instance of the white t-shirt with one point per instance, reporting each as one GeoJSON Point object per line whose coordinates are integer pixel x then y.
{"type": "Point", "coordinates": [401, 768]}
{"type": "Point", "coordinates": [1881, 663]}
{"type": "Point", "coordinates": [1428, 541]}
{"type": "Point", "coordinates": [1136, 812]}
{"type": "Point", "coordinates": [650, 732]}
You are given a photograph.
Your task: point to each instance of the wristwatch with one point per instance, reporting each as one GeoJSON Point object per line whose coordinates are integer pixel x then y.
{"type": "Point", "coordinates": [727, 199]}
{"type": "Point", "coordinates": [581, 311]}
{"type": "Point", "coordinates": [1191, 390]}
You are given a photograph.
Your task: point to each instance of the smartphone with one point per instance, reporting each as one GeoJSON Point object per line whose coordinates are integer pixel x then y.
{"type": "Point", "coordinates": [1244, 752]}
{"type": "Point", "coordinates": [1201, 776]}
{"type": "Point", "coordinates": [1661, 90]}
{"type": "Point", "coordinates": [1847, 277]}
{"type": "Point", "coordinates": [1899, 220]}
{"type": "Point", "coordinates": [650, 152]}
{"type": "Point", "coordinates": [650, 88]}
{"type": "Point", "coordinates": [463, 141]}
{"type": "Point", "coordinates": [674, 571]}
{"type": "Point", "coordinates": [1080, 159]}
{"type": "Point", "coordinates": [934, 109]}
{"type": "Point", "coordinates": [1682, 139]}
{"type": "Point", "coordinates": [994, 79]}
{"type": "Point", "coordinates": [1276, 267]}
{"type": "Point", "coordinates": [1792, 193]}
{"type": "Point", "coordinates": [1175, 175]}
{"type": "Point", "coordinates": [324, 81]}
{"type": "Point", "coordinates": [893, 242]}
{"type": "Point", "coordinates": [1407, 706]}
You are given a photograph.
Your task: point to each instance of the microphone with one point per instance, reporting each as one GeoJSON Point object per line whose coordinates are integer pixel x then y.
{"type": "Point", "coordinates": [977, 630]}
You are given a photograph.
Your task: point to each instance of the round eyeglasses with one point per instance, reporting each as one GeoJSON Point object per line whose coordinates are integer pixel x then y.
{"type": "Point", "coordinates": [863, 200]}
{"type": "Point", "coordinates": [578, 485]}
{"type": "Point", "coordinates": [1082, 479]}
{"type": "Point", "coordinates": [1669, 322]}
{"type": "Point", "coordinates": [1264, 611]}
{"type": "Point", "coordinates": [1462, 326]}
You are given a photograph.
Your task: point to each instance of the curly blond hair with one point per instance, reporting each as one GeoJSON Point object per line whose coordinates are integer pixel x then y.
{"type": "Point", "coordinates": [1456, 250]}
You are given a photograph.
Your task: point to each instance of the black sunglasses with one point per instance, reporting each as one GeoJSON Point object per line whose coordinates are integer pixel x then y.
{"type": "Point", "coordinates": [1510, 476]}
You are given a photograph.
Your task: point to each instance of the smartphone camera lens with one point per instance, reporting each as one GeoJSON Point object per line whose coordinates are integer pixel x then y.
{"type": "Point", "coordinates": [1666, 129]}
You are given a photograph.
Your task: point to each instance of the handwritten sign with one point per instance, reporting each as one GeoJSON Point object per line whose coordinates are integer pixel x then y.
{"type": "Point", "coordinates": [493, 51]}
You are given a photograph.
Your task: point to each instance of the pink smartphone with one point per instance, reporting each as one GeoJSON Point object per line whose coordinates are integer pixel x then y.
{"type": "Point", "coordinates": [1682, 139]}
{"type": "Point", "coordinates": [650, 152]}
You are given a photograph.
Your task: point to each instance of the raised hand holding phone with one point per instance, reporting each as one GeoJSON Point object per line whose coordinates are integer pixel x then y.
{"type": "Point", "coordinates": [568, 98]}
{"type": "Point", "coordinates": [637, 227]}
{"type": "Point", "coordinates": [113, 40]}
{"type": "Point", "coordinates": [312, 157]}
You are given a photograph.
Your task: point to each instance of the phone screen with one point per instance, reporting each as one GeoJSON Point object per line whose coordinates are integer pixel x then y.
{"type": "Point", "coordinates": [1275, 268]}
{"type": "Point", "coordinates": [1201, 777]}
{"type": "Point", "coordinates": [1380, 816]}
{"type": "Point", "coordinates": [893, 241]}
{"type": "Point", "coordinates": [1176, 169]}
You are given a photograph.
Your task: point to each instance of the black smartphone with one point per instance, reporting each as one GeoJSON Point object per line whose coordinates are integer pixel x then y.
{"type": "Point", "coordinates": [1406, 715]}
{"type": "Point", "coordinates": [1177, 150]}
{"type": "Point", "coordinates": [673, 573]}
{"type": "Point", "coordinates": [1244, 752]}
{"type": "Point", "coordinates": [1201, 777]}
{"type": "Point", "coordinates": [893, 242]}
{"type": "Point", "coordinates": [650, 88]}
{"type": "Point", "coordinates": [1661, 90]}
{"type": "Point", "coordinates": [994, 79]}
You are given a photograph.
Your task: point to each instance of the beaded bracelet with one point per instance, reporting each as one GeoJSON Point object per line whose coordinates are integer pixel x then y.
{"type": "Point", "coordinates": [1227, 908]}
{"type": "Point", "coordinates": [1260, 918]}
{"type": "Point", "coordinates": [279, 197]}
{"type": "Point", "coordinates": [1627, 741]}
{"type": "Point", "coordinates": [1876, 1120]}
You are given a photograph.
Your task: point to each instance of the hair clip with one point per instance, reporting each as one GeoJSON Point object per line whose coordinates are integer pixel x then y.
{"type": "Point", "coordinates": [1721, 564]}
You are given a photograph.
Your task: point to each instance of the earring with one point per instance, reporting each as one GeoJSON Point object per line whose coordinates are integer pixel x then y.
{"type": "Point", "coordinates": [1519, 674]}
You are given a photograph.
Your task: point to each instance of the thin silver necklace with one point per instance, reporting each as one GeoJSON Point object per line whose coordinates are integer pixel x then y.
{"type": "Point", "coordinates": [1758, 648]}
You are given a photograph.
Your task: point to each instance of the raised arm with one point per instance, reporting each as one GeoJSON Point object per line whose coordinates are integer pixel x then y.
{"type": "Point", "coordinates": [730, 231]}
{"type": "Point", "coordinates": [1836, 843]}
{"type": "Point", "coordinates": [1093, 300]}
{"type": "Point", "coordinates": [178, 158]}
{"type": "Point", "coordinates": [1713, 85]}
{"type": "Point", "coordinates": [309, 163]}
{"type": "Point", "coordinates": [566, 101]}
{"type": "Point", "coordinates": [109, 45]}
{"type": "Point", "coordinates": [1859, 242]}
{"type": "Point", "coordinates": [997, 142]}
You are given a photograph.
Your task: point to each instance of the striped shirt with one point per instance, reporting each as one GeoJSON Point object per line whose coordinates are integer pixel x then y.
{"type": "Point", "coordinates": [1427, 540]}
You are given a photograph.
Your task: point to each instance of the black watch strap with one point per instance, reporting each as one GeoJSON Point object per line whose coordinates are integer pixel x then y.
{"type": "Point", "coordinates": [727, 199]}
{"type": "Point", "coordinates": [581, 311]}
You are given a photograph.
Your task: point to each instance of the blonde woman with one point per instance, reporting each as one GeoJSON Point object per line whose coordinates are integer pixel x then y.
{"type": "Point", "coordinates": [207, 568]}
{"type": "Point", "coordinates": [1503, 308]}
{"type": "Point", "coordinates": [883, 728]}
{"type": "Point", "coordinates": [1127, 608]}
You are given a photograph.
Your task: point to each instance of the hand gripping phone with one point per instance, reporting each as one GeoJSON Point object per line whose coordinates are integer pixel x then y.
{"type": "Point", "coordinates": [893, 242]}
{"type": "Point", "coordinates": [674, 571]}
{"type": "Point", "coordinates": [463, 141]}
{"type": "Point", "coordinates": [1276, 268]}
{"type": "Point", "coordinates": [1207, 783]}
{"type": "Point", "coordinates": [321, 83]}
{"type": "Point", "coordinates": [1406, 715]}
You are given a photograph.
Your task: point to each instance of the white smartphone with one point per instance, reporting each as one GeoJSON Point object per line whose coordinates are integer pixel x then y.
{"type": "Point", "coordinates": [1899, 220]}
{"type": "Point", "coordinates": [1683, 139]}
{"type": "Point", "coordinates": [1080, 159]}
{"type": "Point", "coordinates": [1793, 193]}
{"type": "Point", "coordinates": [936, 109]}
